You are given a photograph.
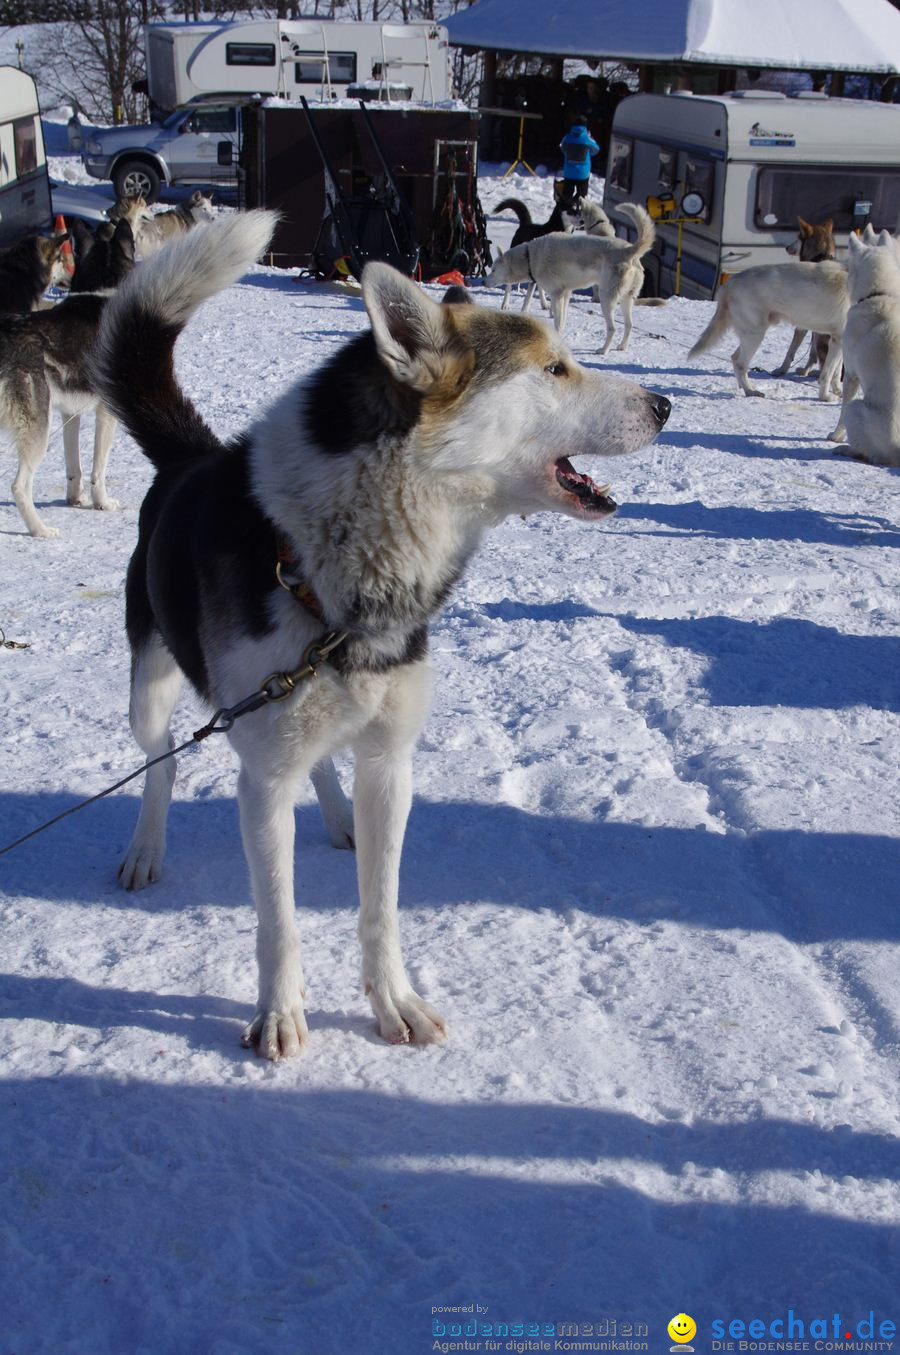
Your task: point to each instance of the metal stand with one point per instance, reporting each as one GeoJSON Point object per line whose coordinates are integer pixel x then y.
{"type": "Point", "coordinates": [516, 113]}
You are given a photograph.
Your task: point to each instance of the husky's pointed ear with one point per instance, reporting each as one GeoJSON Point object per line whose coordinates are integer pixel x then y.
{"type": "Point", "coordinates": [409, 328]}
{"type": "Point", "coordinates": [885, 240]}
{"type": "Point", "coordinates": [854, 244]}
{"type": "Point", "coordinates": [868, 234]}
{"type": "Point", "coordinates": [828, 225]}
{"type": "Point", "coordinates": [805, 228]}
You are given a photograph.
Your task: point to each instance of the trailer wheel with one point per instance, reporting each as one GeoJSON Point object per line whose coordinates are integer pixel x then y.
{"type": "Point", "coordinates": [135, 178]}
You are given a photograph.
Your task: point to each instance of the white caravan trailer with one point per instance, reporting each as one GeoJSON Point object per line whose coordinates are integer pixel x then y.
{"type": "Point", "coordinates": [289, 58]}
{"type": "Point", "coordinates": [24, 186]}
{"type": "Point", "coordinates": [747, 165]}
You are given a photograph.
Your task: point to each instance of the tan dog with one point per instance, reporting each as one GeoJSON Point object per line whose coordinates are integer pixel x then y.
{"type": "Point", "coordinates": [167, 226]}
{"type": "Point", "coordinates": [814, 244]}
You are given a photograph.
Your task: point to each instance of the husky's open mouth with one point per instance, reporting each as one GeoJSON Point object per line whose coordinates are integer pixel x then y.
{"type": "Point", "coordinates": [591, 498]}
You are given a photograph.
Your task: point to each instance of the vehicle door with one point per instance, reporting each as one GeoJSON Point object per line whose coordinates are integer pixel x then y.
{"type": "Point", "coordinates": [195, 155]}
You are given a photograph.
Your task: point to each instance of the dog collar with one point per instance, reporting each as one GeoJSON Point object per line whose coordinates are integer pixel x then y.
{"type": "Point", "coordinates": [299, 589]}
{"type": "Point", "coordinates": [528, 264]}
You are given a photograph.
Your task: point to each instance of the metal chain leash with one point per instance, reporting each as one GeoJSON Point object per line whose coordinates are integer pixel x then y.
{"type": "Point", "coordinates": [276, 687]}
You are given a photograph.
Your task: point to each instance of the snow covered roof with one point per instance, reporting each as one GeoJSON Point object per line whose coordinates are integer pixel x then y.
{"type": "Point", "coordinates": [846, 35]}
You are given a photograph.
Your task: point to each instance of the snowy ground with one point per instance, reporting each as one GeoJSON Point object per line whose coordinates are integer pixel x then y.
{"type": "Point", "coordinates": [651, 879]}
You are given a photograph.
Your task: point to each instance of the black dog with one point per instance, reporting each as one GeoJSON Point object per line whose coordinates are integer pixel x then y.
{"type": "Point", "coordinates": [531, 230]}
{"type": "Point", "coordinates": [104, 258]}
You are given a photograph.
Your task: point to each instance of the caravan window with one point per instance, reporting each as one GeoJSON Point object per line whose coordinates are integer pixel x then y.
{"type": "Point", "coordinates": [700, 177]}
{"type": "Point", "coordinates": [817, 193]}
{"type": "Point", "coordinates": [25, 136]}
{"type": "Point", "coordinates": [341, 68]}
{"type": "Point", "coordinates": [249, 54]}
{"type": "Point", "coordinates": [667, 170]}
{"type": "Point", "coordinates": [621, 154]}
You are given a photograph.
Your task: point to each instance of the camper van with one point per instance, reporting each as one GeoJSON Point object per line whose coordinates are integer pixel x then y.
{"type": "Point", "coordinates": [290, 58]}
{"type": "Point", "coordinates": [726, 177]}
{"type": "Point", "coordinates": [24, 186]}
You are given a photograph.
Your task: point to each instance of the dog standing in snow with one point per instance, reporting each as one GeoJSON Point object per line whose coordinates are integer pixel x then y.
{"type": "Point", "coordinates": [814, 244]}
{"type": "Point", "coordinates": [805, 295]}
{"type": "Point", "coordinates": [375, 479]}
{"type": "Point", "coordinates": [560, 264]}
{"type": "Point", "coordinates": [871, 424]}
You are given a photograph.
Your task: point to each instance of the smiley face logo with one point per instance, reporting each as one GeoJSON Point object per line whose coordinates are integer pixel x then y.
{"type": "Point", "coordinates": [682, 1328]}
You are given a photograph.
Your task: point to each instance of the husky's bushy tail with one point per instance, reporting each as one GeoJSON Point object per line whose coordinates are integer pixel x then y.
{"type": "Point", "coordinates": [643, 224]}
{"type": "Point", "coordinates": [133, 360]}
{"type": "Point", "coordinates": [514, 205]}
{"type": "Point", "coordinates": [716, 329]}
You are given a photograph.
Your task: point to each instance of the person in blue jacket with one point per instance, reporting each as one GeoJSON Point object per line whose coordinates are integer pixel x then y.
{"type": "Point", "coordinates": [577, 147]}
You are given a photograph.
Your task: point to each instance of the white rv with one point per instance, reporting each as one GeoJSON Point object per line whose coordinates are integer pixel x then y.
{"type": "Point", "coordinates": [732, 174]}
{"type": "Point", "coordinates": [289, 58]}
{"type": "Point", "coordinates": [24, 186]}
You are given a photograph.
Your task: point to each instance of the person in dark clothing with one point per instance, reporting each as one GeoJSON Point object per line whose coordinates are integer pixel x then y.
{"type": "Point", "coordinates": [577, 147]}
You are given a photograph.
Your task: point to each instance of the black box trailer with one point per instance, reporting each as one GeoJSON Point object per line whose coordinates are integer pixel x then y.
{"type": "Point", "coordinates": [429, 151]}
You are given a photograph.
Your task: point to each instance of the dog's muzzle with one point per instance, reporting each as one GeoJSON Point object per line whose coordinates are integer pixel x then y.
{"type": "Point", "coordinates": [661, 407]}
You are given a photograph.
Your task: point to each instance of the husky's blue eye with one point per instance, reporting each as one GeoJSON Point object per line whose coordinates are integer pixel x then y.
{"type": "Point", "coordinates": [556, 369]}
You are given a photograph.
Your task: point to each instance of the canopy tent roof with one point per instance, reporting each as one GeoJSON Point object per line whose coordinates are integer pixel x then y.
{"type": "Point", "coordinates": [833, 35]}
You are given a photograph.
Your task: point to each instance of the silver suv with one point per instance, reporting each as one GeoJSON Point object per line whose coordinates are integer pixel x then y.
{"type": "Point", "coordinates": [197, 144]}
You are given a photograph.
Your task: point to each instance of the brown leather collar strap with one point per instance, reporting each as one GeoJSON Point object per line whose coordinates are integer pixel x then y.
{"type": "Point", "coordinates": [299, 590]}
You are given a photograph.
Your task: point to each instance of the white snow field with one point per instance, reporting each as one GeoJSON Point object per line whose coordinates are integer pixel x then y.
{"type": "Point", "coordinates": [651, 878]}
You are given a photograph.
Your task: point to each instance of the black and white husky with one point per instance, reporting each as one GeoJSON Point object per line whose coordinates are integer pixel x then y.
{"type": "Point", "coordinates": [376, 476]}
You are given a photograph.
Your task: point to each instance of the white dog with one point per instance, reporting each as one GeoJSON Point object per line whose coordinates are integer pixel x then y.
{"type": "Point", "coordinates": [871, 424]}
{"type": "Point", "coordinates": [805, 295]}
{"type": "Point", "coordinates": [345, 514]}
{"type": "Point", "coordinates": [560, 264]}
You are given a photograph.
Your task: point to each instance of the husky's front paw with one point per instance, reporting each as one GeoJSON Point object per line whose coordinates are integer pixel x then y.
{"type": "Point", "coordinates": [407, 1018]}
{"type": "Point", "coordinates": [277, 1034]}
{"type": "Point", "coordinates": [104, 504]}
{"type": "Point", "coordinates": [142, 865]}
{"type": "Point", "coordinates": [839, 434]}
{"type": "Point", "coordinates": [44, 533]}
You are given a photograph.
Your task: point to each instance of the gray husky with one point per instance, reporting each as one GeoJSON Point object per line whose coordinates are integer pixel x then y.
{"type": "Point", "coordinates": [341, 519]}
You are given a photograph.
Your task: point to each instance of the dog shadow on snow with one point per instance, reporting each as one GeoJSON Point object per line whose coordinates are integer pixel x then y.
{"type": "Point", "coordinates": [741, 522]}
{"type": "Point", "coordinates": [814, 886]}
{"type": "Point", "coordinates": [349, 1215]}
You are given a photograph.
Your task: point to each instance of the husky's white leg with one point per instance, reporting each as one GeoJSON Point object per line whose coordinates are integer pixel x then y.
{"type": "Point", "coordinates": [528, 295]}
{"type": "Point", "coordinates": [336, 809]}
{"type": "Point", "coordinates": [71, 431]}
{"type": "Point", "coordinates": [381, 799]}
{"type": "Point", "coordinates": [266, 799]}
{"type": "Point", "coordinates": [31, 443]}
{"type": "Point", "coordinates": [851, 389]}
{"type": "Point", "coordinates": [829, 376]}
{"type": "Point", "coordinates": [155, 685]}
{"type": "Point", "coordinates": [742, 357]}
{"type": "Point", "coordinates": [507, 293]}
{"type": "Point", "coordinates": [627, 304]}
{"type": "Point", "coordinates": [104, 431]}
{"type": "Point", "coordinates": [559, 309]}
{"type": "Point", "coordinates": [609, 315]}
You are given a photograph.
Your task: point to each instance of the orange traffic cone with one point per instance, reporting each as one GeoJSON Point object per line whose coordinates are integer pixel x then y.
{"type": "Point", "coordinates": [61, 228]}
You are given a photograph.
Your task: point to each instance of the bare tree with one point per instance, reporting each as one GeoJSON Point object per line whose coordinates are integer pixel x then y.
{"type": "Point", "coordinates": [91, 63]}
